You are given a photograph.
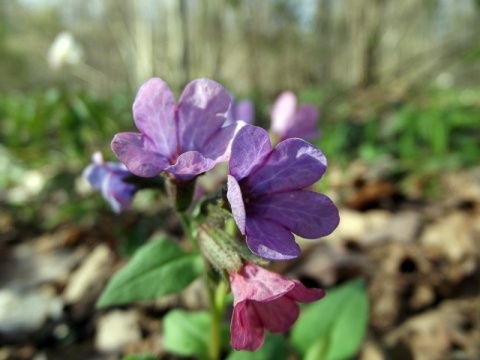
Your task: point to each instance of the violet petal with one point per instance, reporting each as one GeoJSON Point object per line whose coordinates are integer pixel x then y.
{"type": "Point", "coordinates": [118, 193]}
{"type": "Point", "coordinates": [306, 213]}
{"type": "Point", "coordinates": [116, 167]}
{"type": "Point", "coordinates": [136, 153]}
{"type": "Point", "coordinates": [283, 112]}
{"type": "Point", "coordinates": [190, 164]}
{"type": "Point", "coordinates": [95, 174]}
{"type": "Point", "coordinates": [305, 123]}
{"type": "Point", "coordinates": [249, 148]}
{"type": "Point", "coordinates": [202, 109]}
{"type": "Point", "coordinates": [218, 147]}
{"type": "Point", "coordinates": [270, 240]}
{"type": "Point", "coordinates": [234, 196]}
{"type": "Point", "coordinates": [244, 111]}
{"type": "Point", "coordinates": [154, 115]}
{"type": "Point", "coordinates": [294, 164]}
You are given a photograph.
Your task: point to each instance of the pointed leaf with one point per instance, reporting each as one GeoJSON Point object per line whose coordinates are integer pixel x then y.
{"type": "Point", "coordinates": [188, 333]}
{"type": "Point", "coordinates": [140, 357]}
{"type": "Point", "coordinates": [275, 347]}
{"type": "Point", "coordinates": [334, 327]}
{"type": "Point", "coordinates": [158, 268]}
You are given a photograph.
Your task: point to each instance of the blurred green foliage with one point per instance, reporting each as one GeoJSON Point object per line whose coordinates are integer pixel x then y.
{"type": "Point", "coordinates": [56, 131]}
{"type": "Point", "coordinates": [63, 127]}
{"type": "Point", "coordinates": [436, 130]}
{"type": "Point", "coordinates": [47, 138]}
{"type": "Point", "coordinates": [333, 328]}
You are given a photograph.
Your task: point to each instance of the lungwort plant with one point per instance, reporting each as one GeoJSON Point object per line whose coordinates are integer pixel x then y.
{"type": "Point", "coordinates": [235, 231]}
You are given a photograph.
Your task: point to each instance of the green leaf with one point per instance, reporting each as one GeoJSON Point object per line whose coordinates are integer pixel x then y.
{"type": "Point", "coordinates": [188, 333]}
{"type": "Point", "coordinates": [274, 348]}
{"type": "Point", "coordinates": [317, 350]}
{"type": "Point", "coordinates": [334, 327]}
{"type": "Point", "coordinates": [158, 268]}
{"type": "Point", "coordinates": [140, 357]}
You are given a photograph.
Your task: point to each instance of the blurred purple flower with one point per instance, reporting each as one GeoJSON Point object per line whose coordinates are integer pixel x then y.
{"type": "Point", "coordinates": [266, 191]}
{"type": "Point", "coordinates": [290, 121]}
{"type": "Point", "coordinates": [264, 300]}
{"type": "Point", "coordinates": [109, 177]}
{"type": "Point", "coordinates": [242, 110]}
{"type": "Point", "coordinates": [186, 139]}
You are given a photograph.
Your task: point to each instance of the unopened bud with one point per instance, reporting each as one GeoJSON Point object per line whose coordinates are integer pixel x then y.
{"type": "Point", "coordinates": [214, 244]}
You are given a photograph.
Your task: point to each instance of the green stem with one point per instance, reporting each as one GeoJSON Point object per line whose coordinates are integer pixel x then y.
{"type": "Point", "coordinates": [217, 291]}
{"type": "Point", "coordinates": [217, 297]}
{"type": "Point", "coordinates": [181, 193]}
{"type": "Point", "coordinates": [189, 230]}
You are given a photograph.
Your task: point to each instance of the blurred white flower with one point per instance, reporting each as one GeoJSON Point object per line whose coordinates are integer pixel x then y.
{"type": "Point", "coordinates": [64, 51]}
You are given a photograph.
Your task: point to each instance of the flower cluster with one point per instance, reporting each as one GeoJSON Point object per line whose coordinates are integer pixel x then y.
{"type": "Point", "coordinates": [184, 139]}
{"type": "Point", "coordinates": [268, 189]}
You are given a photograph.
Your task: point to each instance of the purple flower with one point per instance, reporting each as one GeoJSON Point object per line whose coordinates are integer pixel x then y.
{"type": "Point", "coordinates": [242, 110]}
{"type": "Point", "coordinates": [288, 121]}
{"type": "Point", "coordinates": [263, 299]}
{"type": "Point", "coordinates": [186, 139]}
{"type": "Point", "coordinates": [266, 191]}
{"type": "Point", "coordinates": [109, 177]}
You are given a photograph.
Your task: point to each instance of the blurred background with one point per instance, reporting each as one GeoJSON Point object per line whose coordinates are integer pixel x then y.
{"type": "Point", "coordinates": [247, 45]}
{"type": "Point", "coordinates": [397, 86]}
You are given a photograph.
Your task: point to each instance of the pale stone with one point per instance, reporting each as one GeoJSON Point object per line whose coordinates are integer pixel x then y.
{"type": "Point", "coordinates": [87, 282]}
{"type": "Point", "coordinates": [26, 312]}
{"type": "Point", "coordinates": [90, 275]}
{"type": "Point", "coordinates": [353, 225]}
{"type": "Point", "coordinates": [117, 329]}
{"type": "Point", "coordinates": [450, 237]}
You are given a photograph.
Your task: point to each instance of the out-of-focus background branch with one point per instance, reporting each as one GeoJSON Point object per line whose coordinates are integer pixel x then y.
{"type": "Point", "coordinates": [246, 44]}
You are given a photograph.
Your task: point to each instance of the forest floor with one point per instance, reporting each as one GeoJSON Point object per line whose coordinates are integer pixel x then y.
{"type": "Point", "coordinates": [420, 257]}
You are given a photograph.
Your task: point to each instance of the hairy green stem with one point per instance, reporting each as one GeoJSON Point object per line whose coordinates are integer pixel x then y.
{"type": "Point", "coordinates": [189, 229]}
{"type": "Point", "coordinates": [217, 291]}
{"type": "Point", "coordinates": [217, 297]}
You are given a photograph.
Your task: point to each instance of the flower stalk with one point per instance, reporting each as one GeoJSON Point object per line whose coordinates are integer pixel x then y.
{"type": "Point", "coordinates": [217, 296]}
{"type": "Point", "coordinates": [181, 193]}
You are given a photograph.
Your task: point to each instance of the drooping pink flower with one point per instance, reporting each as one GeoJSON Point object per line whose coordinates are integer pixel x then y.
{"type": "Point", "coordinates": [264, 300]}
{"type": "Point", "coordinates": [290, 121]}
{"type": "Point", "coordinates": [184, 139]}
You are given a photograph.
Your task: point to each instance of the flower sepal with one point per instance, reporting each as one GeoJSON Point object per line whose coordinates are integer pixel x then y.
{"type": "Point", "coordinates": [212, 211]}
{"type": "Point", "coordinates": [180, 192]}
{"type": "Point", "coordinates": [215, 245]}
